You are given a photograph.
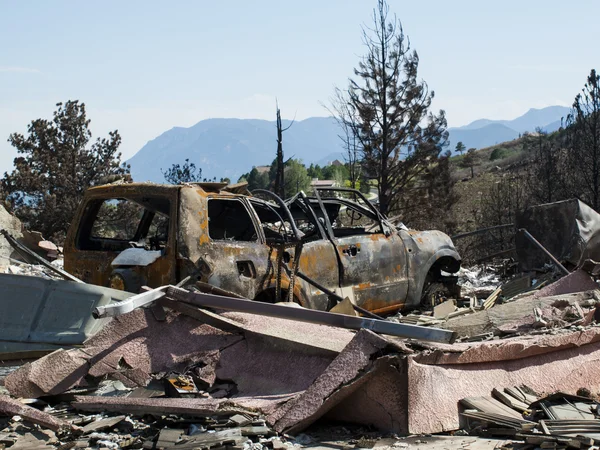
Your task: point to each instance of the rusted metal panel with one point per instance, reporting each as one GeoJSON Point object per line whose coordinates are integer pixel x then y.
{"type": "Point", "coordinates": [94, 266]}
{"type": "Point", "coordinates": [375, 267]}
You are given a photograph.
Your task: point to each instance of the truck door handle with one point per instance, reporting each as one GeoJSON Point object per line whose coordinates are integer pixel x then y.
{"type": "Point", "coordinates": [246, 269]}
{"type": "Point", "coordinates": [351, 250]}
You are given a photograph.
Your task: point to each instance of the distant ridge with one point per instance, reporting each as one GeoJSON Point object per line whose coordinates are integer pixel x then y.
{"type": "Point", "coordinates": [231, 147]}
{"type": "Point", "coordinates": [485, 132]}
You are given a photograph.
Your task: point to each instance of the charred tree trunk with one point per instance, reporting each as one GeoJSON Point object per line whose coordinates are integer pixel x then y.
{"type": "Point", "coordinates": [279, 176]}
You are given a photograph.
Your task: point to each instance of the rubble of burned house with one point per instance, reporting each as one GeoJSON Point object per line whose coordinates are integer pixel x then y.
{"type": "Point", "coordinates": [511, 362]}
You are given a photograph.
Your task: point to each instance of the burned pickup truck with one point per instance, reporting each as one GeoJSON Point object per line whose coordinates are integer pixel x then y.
{"type": "Point", "coordinates": [258, 246]}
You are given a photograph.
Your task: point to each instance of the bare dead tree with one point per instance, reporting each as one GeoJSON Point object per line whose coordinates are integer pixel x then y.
{"type": "Point", "coordinates": [545, 176]}
{"type": "Point", "coordinates": [583, 143]}
{"type": "Point", "coordinates": [342, 113]}
{"type": "Point", "coordinates": [280, 164]}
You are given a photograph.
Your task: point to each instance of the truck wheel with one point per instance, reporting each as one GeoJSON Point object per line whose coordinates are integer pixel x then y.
{"type": "Point", "coordinates": [125, 280]}
{"type": "Point", "coordinates": [437, 290]}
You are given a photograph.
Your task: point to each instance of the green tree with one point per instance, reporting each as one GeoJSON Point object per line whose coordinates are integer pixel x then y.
{"type": "Point", "coordinates": [57, 161]}
{"type": "Point", "coordinates": [498, 153]}
{"type": "Point", "coordinates": [315, 171]}
{"type": "Point", "coordinates": [257, 180]}
{"type": "Point", "coordinates": [460, 148]}
{"type": "Point", "coordinates": [388, 112]}
{"type": "Point", "coordinates": [335, 173]}
{"type": "Point", "coordinates": [183, 173]}
{"type": "Point", "coordinates": [296, 177]}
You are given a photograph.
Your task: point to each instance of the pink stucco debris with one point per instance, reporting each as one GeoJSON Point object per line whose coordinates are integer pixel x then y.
{"type": "Point", "coordinates": [11, 407]}
{"type": "Point", "coordinates": [350, 364]}
{"type": "Point", "coordinates": [577, 281]}
{"type": "Point", "coordinates": [562, 362]}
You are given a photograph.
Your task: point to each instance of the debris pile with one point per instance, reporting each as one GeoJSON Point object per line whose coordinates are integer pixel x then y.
{"type": "Point", "coordinates": [35, 270]}
{"type": "Point", "coordinates": [63, 426]}
{"type": "Point", "coordinates": [556, 421]}
{"type": "Point", "coordinates": [513, 359]}
{"type": "Point", "coordinates": [472, 316]}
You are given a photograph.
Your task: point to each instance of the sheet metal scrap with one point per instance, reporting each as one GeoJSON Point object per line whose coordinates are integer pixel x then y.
{"type": "Point", "coordinates": [180, 386]}
{"type": "Point", "coordinates": [284, 312]}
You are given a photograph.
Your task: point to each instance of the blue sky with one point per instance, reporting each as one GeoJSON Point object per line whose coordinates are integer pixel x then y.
{"type": "Point", "coordinates": [145, 66]}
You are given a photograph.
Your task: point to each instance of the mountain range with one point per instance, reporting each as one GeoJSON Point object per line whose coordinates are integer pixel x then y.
{"type": "Point", "coordinates": [484, 132]}
{"type": "Point", "coordinates": [231, 147]}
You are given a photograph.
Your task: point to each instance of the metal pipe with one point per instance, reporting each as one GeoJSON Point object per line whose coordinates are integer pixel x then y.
{"type": "Point", "coordinates": [480, 231]}
{"type": "Point", "coordinates": [528, 235]}
{"type": "Point", "coordinates": [311, 316]}
{"type": "Point", "coordinates": [130, 304]}
{"type": "Point", "coordinates": [297, 233]}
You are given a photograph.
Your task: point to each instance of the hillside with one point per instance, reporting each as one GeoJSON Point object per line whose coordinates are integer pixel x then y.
{"type": "Point", "coordinates": [493, 164]}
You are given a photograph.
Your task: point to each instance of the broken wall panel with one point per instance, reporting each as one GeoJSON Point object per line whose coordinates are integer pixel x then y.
{"type": "Point", "coordinates": [351, 364]}
{"type": "Point", "coordinates": [434, 389]}
{"type": "Point", "coordinates": [278, 362]}
{"type": "Point", "coordinates": [10, 407]}
{"type": "Point", "coordinates": [136, 342]}
{"type": "Point", "coordinates": [515, 316]}
{"type": "Point", "coordinates": [377, 399]}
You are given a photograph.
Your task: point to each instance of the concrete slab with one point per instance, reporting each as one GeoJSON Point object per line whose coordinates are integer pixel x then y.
{"type": "Point", "coordinates": [442, 310]}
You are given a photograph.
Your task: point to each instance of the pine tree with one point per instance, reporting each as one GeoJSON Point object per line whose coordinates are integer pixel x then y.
{"type": "Point", "coordinates": [57, 162]}
{"type": "Point", "coordinates": [460, 148]}
{"type": "Point", "coordinates": [182, 173]}
{"type": "Point", "coordinates": [388, 111]}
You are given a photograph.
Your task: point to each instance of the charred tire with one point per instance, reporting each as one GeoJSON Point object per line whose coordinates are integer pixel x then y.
{"type": "Point", "coordinates": [437, 287]}
{"type": "Point", "coordinates": [125, 280]}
